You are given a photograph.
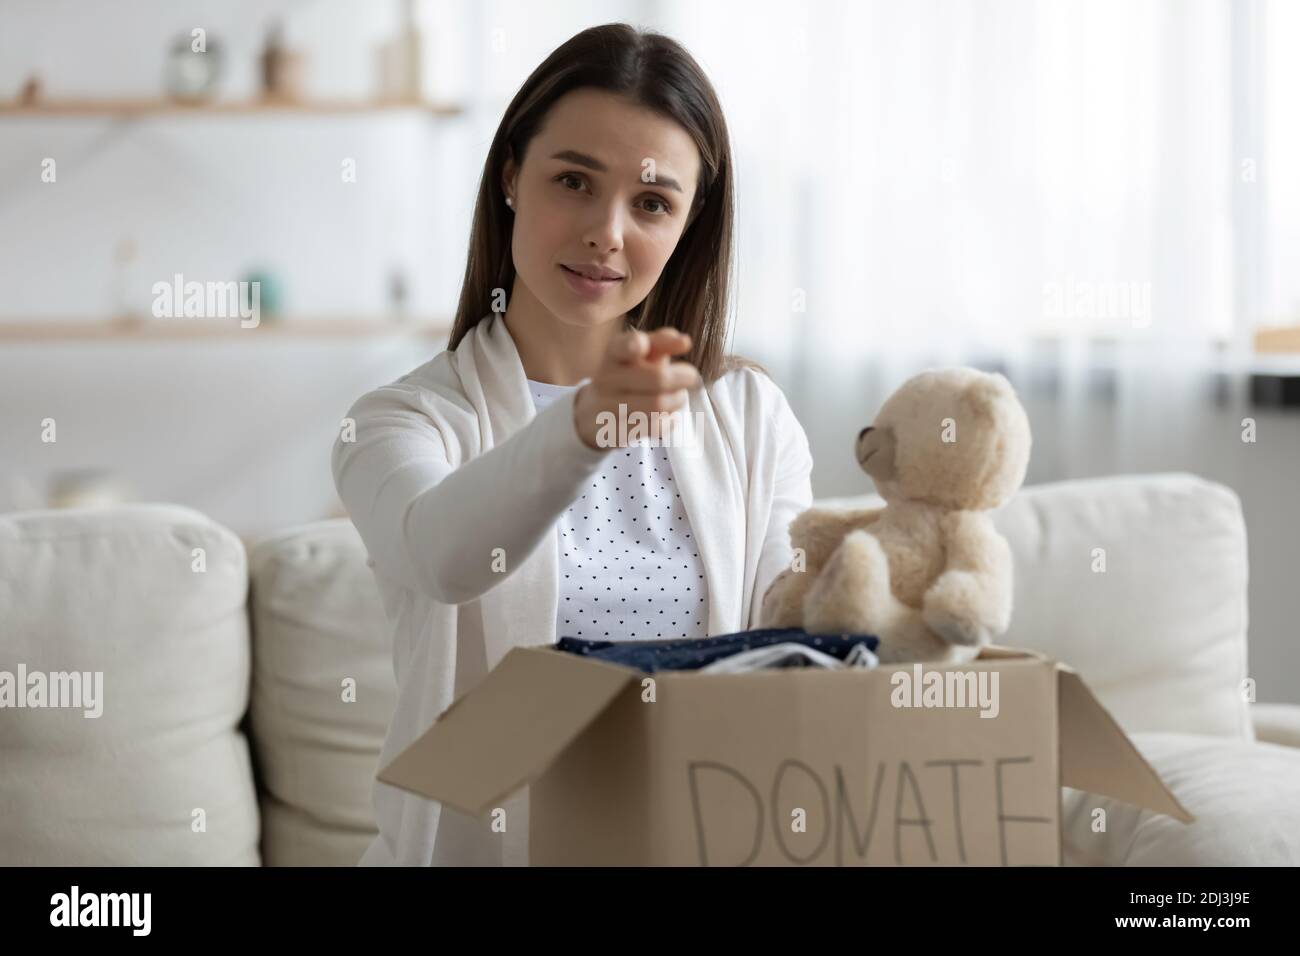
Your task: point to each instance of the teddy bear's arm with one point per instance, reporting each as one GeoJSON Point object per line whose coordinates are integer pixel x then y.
{"type": "Point", "coordinates": [819, 531]}
{"type": "Point", "coordinates": [970, 601]}
{"type": "Point", "coordinates": [782, 604]}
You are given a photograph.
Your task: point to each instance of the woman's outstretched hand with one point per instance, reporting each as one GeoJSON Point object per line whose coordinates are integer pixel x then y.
{"type": "Point", "coordinates": [637, 374]}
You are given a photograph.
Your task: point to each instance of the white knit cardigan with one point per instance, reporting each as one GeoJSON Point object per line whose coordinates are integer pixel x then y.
{"type": "Point", "coordinates": [452, 462]}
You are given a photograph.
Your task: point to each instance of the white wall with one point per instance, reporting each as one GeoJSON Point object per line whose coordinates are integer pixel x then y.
{"type": "Point", "coordinates": [241, 429]}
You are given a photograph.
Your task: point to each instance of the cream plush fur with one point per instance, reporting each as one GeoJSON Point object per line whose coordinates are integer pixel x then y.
{"type": "Point", "coordinates": [928, 573]}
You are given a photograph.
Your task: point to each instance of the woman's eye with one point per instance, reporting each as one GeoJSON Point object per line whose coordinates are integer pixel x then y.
{"type": "Point", "coordinates": [662, 207]}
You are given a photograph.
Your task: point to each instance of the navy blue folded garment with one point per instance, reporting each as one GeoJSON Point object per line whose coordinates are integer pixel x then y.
{"type": "Point", "coordinates": [692, 654]}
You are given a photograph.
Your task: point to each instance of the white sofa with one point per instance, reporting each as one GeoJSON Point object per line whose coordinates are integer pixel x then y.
{"type": "Point", "coordinates": [229, 735]}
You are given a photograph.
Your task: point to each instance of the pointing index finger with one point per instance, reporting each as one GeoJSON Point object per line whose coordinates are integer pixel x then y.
{"type": "Point", "coordinates": [668, 342]}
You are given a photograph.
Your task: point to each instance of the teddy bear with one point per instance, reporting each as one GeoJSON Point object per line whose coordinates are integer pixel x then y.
{"type": "Point", "coordinates": [928, 573]}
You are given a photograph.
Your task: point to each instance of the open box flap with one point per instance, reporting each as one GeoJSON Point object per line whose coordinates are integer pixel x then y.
{"type": "Point", "coordinates": [506, 731]}
{"type": "Point", "coordinates": [998, 652]}
{"type": "Point", "coordinates": [1097, 756]}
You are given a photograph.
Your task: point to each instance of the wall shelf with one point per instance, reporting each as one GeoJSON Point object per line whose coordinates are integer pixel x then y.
{"type": "Point", "coordinates": [151, 329]}
{"type": "Point", "coordinates": [129, 108]}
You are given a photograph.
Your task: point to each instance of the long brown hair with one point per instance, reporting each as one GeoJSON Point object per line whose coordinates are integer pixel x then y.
{"type": "Point", "coordinates": [656, 72]}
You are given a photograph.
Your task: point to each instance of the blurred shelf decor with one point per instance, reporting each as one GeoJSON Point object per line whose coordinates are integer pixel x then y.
{"type": "Point", "coordinates": [87, 488]}
{"type": "Point", "coordinates": [145, 329]}
{"type": "Point", "coordinates": [196, 66]}
{"type": "Point", "coordinates": [128, 108]}
{"type": "Point", "coordinates": [282, 69]}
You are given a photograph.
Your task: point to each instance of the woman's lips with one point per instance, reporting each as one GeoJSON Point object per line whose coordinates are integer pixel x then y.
{"type": "Point", "coordinates": [589, 288]}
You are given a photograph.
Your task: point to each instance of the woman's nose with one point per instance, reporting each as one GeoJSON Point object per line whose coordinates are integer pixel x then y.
{"type": "Point", "coordinates": [864, 431]}
{"type": "Point", "coordinates": [606, 234]}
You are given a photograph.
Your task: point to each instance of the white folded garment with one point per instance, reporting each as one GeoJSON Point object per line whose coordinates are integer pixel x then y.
{"type": "Point", "coordinates": [789, 654]}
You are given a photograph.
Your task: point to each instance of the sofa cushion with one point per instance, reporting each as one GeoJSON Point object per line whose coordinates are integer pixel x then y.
{"type": "Point", "coordinates": [1242, 794]}
{"type": "Point", "coordinates": [319, 631]}
{"type": "Point", "coordinates": [1159, 634]}
{"type": "Point", "coordinates": [121, 592]}
{"type": "Point", "coordinates": [1276, 723]}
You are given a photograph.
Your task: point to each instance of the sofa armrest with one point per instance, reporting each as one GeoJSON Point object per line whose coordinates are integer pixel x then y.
{"type": "Point", "coordinates": [1277, 723]}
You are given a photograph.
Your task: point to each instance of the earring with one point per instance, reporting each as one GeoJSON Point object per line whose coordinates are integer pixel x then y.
{"type": "Point", "coordinates": [510, 202]}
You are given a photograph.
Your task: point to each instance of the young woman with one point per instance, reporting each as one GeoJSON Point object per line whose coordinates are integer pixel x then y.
{"type": "Point", "coordinates": [496, 510]}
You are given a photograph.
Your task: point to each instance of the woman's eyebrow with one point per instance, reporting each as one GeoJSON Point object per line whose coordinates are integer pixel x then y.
{"type": "Point", "coordinates": [591, 162]}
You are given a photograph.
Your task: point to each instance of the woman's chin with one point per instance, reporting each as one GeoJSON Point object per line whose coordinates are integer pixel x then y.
{"type": "Point", "coordinates": [592, 311]}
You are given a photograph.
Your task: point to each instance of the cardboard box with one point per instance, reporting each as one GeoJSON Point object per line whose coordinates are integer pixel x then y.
{"type": "Point", "coordinates": [781, 767]}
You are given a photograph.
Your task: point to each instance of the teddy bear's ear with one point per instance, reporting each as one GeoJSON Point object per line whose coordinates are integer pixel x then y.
{"type": "Point", "coordinates": [988, 389]}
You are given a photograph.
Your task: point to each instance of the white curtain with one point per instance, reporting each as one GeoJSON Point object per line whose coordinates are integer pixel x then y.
{"type": "Point", "coordinates": [1052, 189]}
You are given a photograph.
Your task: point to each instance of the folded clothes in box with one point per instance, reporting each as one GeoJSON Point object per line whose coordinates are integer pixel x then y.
{"type": "Point", "coordinates": [703, 653]}
{"type": "Point", "coordinates": [788, 654]}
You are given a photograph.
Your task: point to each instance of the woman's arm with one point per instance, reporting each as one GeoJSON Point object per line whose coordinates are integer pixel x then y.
{"type": "Point", "coordinates": [434, 527]}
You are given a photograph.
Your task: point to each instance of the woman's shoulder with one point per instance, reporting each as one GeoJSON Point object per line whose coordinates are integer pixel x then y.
{"type": "Point", "coordinates": [754, 410]}
{"type": "Point", "coordinates": [432, 390]}
{"type": "Point", "coordinates": [761, 417]}
{"type": "Point", "coordinates": [748, 387]}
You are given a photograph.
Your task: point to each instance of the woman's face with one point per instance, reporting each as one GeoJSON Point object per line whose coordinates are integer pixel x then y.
{"type": "Point", "coordinates": [605, 185]}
